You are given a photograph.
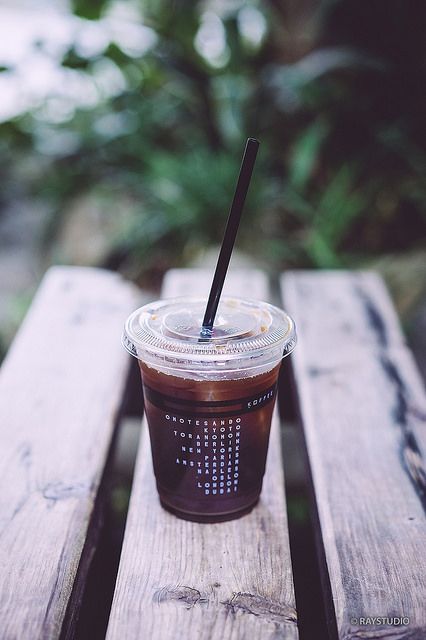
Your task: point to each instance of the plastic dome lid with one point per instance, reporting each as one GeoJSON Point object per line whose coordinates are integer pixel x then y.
{"type": "Point", "coordinates": [243, 328]}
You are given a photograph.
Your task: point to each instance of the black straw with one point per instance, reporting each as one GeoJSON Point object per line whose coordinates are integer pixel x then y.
{"type": "Point", "coordinates": [232, 225]}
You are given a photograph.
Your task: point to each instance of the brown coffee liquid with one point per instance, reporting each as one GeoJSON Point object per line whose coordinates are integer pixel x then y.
{"type": "Point", "coordinates": [209, 441]}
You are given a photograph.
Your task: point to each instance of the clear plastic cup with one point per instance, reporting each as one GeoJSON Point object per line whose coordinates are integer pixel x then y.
{"type": "Point", "coordinates": [209, 402]}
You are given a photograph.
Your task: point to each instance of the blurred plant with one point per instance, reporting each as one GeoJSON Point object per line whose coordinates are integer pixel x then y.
{"type": "Point", "coordinates": [333, 89]}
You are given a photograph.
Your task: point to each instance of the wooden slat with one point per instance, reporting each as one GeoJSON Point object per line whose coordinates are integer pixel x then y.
{"type": "Point", "coordinates": [363, 410]}
{"type": "Point", "coordinates": [180, 579]}
{"type": "Point", "coordinates": [60, 389]}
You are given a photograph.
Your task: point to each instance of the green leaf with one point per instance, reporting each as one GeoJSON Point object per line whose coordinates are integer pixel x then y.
{"type": "Point", "coordinates": [339, 205]}
{"type": "Point", "coordinates": [305, 153]}
{"type": "Point", "coordinates": [321, 253]}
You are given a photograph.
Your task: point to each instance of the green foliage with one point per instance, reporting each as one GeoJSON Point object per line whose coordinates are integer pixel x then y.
{"type": "Point", "coordinates": [339, 114]}
{"type": "Point", "coordinates": [74, 61]}
{"type": "Point", "coordinates": [305, 153]}
{"type": "Point", "coordinates": [90, 9]}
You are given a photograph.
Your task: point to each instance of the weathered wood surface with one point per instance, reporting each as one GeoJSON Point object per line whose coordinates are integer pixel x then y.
{"type": "Point", "coordinates": [225, 581]}
{"type": "Point", "coordinates": [61, 387]}
{"type": "Point", "coordinates": [363, 410]}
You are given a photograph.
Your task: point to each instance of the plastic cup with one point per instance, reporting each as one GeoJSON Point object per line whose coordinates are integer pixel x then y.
{"type": "Point", "coordinates": [209, 402]}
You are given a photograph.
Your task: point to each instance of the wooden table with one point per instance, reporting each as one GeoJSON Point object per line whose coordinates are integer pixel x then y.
{"type": "Point", "coordinates": [362, 413]}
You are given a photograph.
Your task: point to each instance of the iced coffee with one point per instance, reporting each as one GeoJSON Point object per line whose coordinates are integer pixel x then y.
{"type": "Point", "coordinates": [209, 402]}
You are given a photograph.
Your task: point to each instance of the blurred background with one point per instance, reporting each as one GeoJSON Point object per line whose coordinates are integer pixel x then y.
{"type": "Point", "coordinates": [123, 124]}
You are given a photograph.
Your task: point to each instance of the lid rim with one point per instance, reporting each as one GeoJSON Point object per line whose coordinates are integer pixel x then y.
{"type": "Point", "coordinates": [152, 341]}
